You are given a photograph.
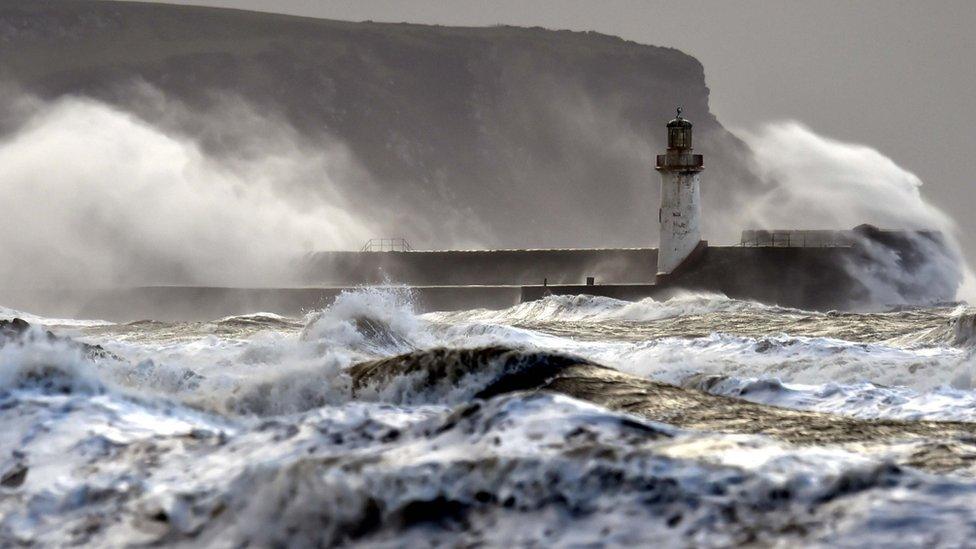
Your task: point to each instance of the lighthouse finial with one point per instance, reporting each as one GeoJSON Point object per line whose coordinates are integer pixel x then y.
{"type": "Point", "coordinates": [679, 111]}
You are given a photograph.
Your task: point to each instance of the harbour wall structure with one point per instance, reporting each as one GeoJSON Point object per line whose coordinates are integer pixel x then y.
{"type": "Point", "coordinates": [804, 278]}
{"type": "Point", "coordinates": [809, 278]}
{"type": "Point", "coordinates": [480, 267]}
{"type": "Point", "coordinates": [808, 269]}
{"type": "Point", "coordinates": [812, 278]}
{"type": "Point", "coordinates": [814, 270]}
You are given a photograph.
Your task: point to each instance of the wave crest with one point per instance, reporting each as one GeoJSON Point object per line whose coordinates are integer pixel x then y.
{"type": "Point", "coordinates": [963, 325]}
{"type": "Point", "coordinates": [36, 361]}
{"type": "Point", "coordinates": [371, 320]}
{"type": "Point", "coordinates": [457, 375]}
{"type": "Point", "coordinates": [588, 308]}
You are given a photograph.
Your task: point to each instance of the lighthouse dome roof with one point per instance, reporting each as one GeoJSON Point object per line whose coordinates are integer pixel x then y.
{"type": "Point", "coordinates": [679, 122]}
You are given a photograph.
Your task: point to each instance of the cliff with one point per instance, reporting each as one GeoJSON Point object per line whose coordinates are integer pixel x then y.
{"type": "Point", "coordinates": [501, 136]}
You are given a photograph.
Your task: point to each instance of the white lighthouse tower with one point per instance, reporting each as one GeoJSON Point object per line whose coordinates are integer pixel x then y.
{"type": "Point", "coordinates": [680, 213]}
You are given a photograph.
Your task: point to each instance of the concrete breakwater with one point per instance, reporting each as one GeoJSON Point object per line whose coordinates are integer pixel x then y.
{"type": "Point", "coordinates": [841, 277]}
{"type": "Point", "coordinates": [481, 267]}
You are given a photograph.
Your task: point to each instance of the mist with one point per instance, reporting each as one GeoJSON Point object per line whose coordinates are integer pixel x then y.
{"type": "Point", "coordinates": [100, 196]}
{"type": "Point", "coordinates": [97, 197]}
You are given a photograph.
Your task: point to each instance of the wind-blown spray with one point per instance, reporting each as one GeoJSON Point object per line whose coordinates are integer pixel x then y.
{"type": "Point", "coordinates": [96, 197]}
{"type": "Point", "coordinates": [820, 183]}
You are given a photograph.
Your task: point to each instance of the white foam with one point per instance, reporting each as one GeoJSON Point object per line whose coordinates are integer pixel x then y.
{"type": "Point", "coordinates": [796, 359]}
{"type": "Point", "coordinates": [863, 400]}
{"type": "Point", "coordinates": [540, 469]}
{"type": "Point", "coordinates": [235, 438]}
{"type": "Point", "coordinates": [9, 314]}
{"type": "Point", "coordinates": [586, 308]}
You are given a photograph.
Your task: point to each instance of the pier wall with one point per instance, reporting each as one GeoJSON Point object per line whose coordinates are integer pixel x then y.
{"type": "Point", "coordinates": [805, 278]}
{"type": "Point", "coordinates": [809, 278]}
{"type": "Point", "coordinates": [482, 267]}
{"type": "Point", "coordinates": [813, 278]}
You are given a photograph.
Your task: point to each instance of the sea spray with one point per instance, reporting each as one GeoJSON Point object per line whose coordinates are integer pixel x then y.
{"type": "Point", "coordinates": [379, 320]}
{"type": "Point", "coordinates": [102, 198]}
{"type": "Point", "coordinates": [819, 183]}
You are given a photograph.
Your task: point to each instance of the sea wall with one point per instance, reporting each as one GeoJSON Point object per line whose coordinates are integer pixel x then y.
{"type": "Point", "coordinates": [808, 278]}
{"type": "Point", "coordinates": [812, 278]}
{"type": "Point", "coordinates": [482, 267]}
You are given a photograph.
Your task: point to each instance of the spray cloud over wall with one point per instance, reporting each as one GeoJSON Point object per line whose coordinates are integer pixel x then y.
{"type": "Point", "coordinates": [96, 197]}
{"type": "Point", "coordinates": [819, 183]}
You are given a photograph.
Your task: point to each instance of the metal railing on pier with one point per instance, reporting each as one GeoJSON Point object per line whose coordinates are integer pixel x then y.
{"type": "Point", "coordinates": [386, 245]}
{"type": "Point", "coordinates": [796, 238]}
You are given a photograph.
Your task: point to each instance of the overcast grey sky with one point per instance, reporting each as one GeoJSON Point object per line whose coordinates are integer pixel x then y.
{"type": "Point", "coordinates": [898, 76]}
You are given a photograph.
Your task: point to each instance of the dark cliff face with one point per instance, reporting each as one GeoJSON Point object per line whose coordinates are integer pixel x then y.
{"type": "Point", "coordinates": [497, 136]}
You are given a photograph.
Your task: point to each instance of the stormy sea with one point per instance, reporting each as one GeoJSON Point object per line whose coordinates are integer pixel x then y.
{"type": "Point", "coordinates": [695, 421]}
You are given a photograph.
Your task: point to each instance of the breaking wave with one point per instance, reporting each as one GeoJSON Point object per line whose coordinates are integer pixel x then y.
{"type": "Point", "coordinates": [377, 321]}
{"type": "Point", "coordinates": [368, 422]}
{"type": "Point", "coordinates": [56, 366]}
{"type": "Point", "coordinates": [587, 308]}
{"type": "Point", "coordinates": [963, 328]}
{"type": "Point", "coordinates": [265, 364]}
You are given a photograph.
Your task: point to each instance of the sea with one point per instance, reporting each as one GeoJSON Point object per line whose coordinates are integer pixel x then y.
{"type": "Point", "coordinates": [698, 421]}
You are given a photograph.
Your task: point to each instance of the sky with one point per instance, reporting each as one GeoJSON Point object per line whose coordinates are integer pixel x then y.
{"type": "Point", "coordinates": [894, 75]}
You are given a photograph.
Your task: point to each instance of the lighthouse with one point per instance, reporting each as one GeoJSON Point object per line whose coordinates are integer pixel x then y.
{"type": "Point", "coordinates": [680, 213]}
